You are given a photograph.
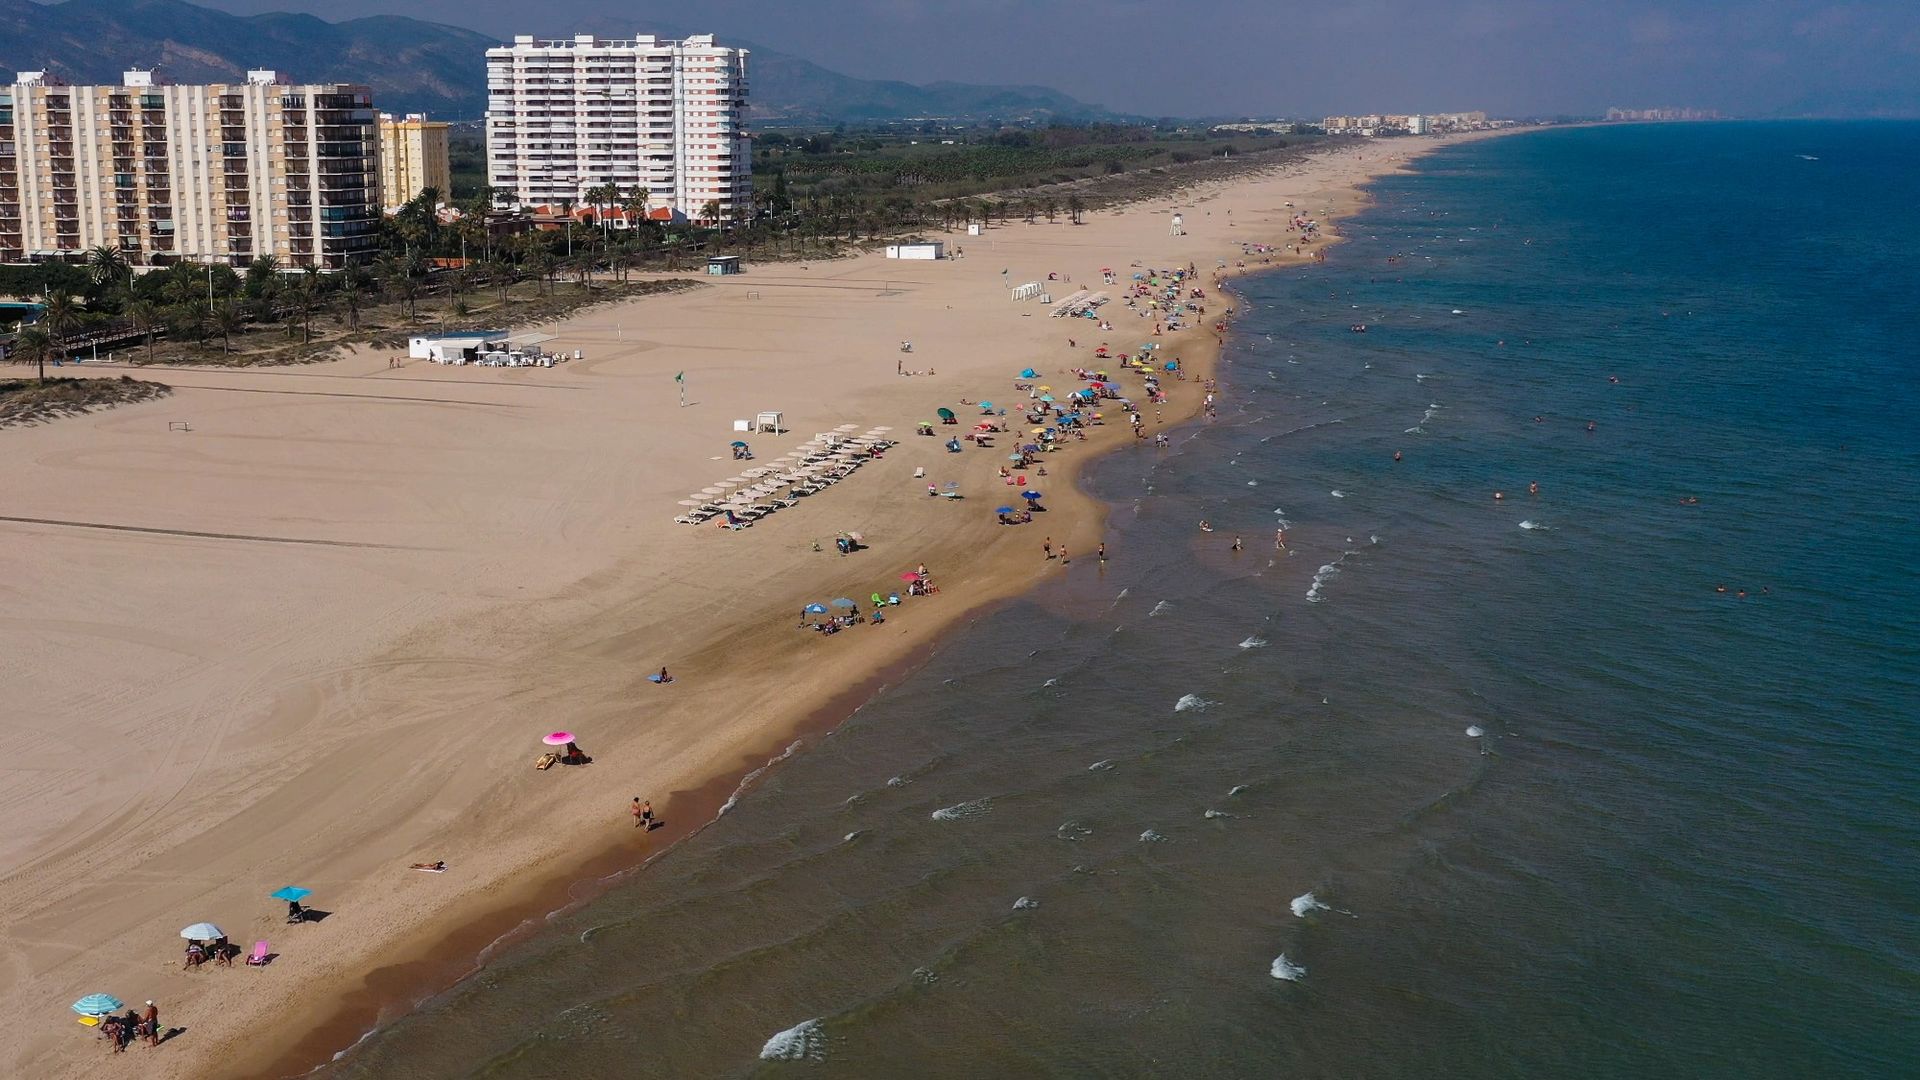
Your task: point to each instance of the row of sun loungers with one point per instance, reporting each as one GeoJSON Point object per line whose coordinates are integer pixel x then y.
{"type": "Point", "coordinates": [810, 468]}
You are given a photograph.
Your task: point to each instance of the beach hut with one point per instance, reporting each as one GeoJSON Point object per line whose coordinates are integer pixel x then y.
{"type": "Point", "coordinates": [723, 265]}
{"type": "Point", "coordinates": [926, 252]}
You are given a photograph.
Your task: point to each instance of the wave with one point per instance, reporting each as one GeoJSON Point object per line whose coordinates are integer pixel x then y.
{"type": "Point", "coordinates": [1151, 837]}
{"type": "Point", "coordinates": [1235, 790]}
{"type": "Point", "coordinates": [963, 811]}
{"type": "Point", "coordinates": [1316, 591]}
{"type": "Point", "coordinates": [1025, 903]}
{"type": "Point", "coordinates": [898, 781]}
{"type": "Point", "coordinates": [1191, 702]}
{"type": "Point", "coordinates": [1338, 494]}
{"type": "Point", "coordinates": [1049, 682]}
{"type": "Point", "coordinates": [1101, 766]}
{"type": "Point", "coordinates": [1160, 608]}
{"type": "Point", "coordinates": [1254, 643]}
{"type": "Point", "coordinates": [852, 836]}
{"type": "Point", "coordinates": [1073, 831]}
{"type": "Point", "coordinates": [1305, 903]}
{"type": "Point", "coordinates": [1474, 731]}
{"type": "Point", "coordinates": [1531, 525]}
{"type": "Point", "coordinates": [805, 1041]}
{"type": "Point", "coordinates": [748, 779]}
{"type": "Point", "coordinates": [1253, 483]}
{"type": "Point", "coordinates": [1282, 968]}
{"type": "Point", "coordinates": [1212, 814]}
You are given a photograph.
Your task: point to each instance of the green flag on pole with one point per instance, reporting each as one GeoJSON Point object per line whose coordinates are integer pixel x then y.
{"type": "Point", "coordinates": [680, 378]}
{"type": "Point", "coordinates": [681, 381]}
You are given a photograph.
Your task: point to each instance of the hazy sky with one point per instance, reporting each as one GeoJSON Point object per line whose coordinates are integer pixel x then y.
{"type": "Point", "coordinates": [1749, 57]}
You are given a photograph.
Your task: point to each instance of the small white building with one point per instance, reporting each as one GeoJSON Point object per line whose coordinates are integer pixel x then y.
{"type": "Point", "coordinates": [1419, 125]}
{"type": "Point", "coordinates": [926, 251]}
{"type": "Point", "coordinates": [445, 348]}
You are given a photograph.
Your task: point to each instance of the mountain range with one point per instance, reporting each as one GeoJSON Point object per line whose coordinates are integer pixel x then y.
{"type": "Point", "coordinates": [416, 66]}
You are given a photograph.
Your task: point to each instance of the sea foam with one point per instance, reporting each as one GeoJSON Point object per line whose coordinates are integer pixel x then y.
{"type": "Point", "coordinates": [1254, 643]}
{"type": "Point", "coordinates": [1282, 968]}
{"type": "Point", "coordinates": [1025, 903]}
{"type": "Point", "coordinates": [805, 1041]}
{"type": "Point", "coordinates": [1474, 731]}
{"type": "Point", "coordinates": [963, 811]}
{"type": "Point", "coordinates": [1191, 703]}
{"type": "Point", "coordinates": [1161, 608]}
{"type": "Point", "coordinates": [1306, 902]}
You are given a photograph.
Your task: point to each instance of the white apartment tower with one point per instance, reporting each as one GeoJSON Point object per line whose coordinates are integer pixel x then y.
{"type": "Point", "coordinates": [565, 116]}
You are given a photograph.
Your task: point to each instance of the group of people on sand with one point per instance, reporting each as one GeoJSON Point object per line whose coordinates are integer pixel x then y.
{"type": "Point", "coordinates": [123, 1031]}
{"type": "Point", "coordinates": [919, 583]}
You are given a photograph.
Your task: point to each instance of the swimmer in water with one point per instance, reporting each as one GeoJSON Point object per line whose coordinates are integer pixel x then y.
{"type": "Point", "coordinates": [1719, 588]}
{"type": "Point", "coordinates": [1497, 496]}
{"type": "Point", "coordinates": [1205, 525]}
{"type": "Point", "coordinates": [1533, 488]}
{"type": "Point", "coordinates": [1396, 455]}
{"type": "Point", "coordinates": [1539, 419]}
{"type": "Point", "coordinates": [1591, 425]}
{"type": "Point", "coordinates": [1236, 544]}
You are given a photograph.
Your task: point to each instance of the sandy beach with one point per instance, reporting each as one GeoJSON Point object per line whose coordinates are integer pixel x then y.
{"type": "Point", "coordinates": [317, 636]}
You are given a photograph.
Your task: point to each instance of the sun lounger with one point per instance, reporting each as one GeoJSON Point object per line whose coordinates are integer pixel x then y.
{"type": "Point", "coordinates": [546, 761]}
{"type": "Point", "coordinates": [258, 958]}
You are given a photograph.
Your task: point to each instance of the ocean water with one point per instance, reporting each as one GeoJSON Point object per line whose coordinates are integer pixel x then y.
{"type": "Point", "coordinates": [1452, 786]}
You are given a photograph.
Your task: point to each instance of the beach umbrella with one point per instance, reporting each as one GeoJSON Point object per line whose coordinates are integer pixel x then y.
{"type": "Point", "coordinates": [714, 489]}
{"type": "Point", "coordinates": [737, 442]}
{"type": "Point", "coordinates": [290, 892]}
{"type": "Point", "coordinates": [815, 609]}
{"type": "Point", "coordinates": [843, 602]}
{"type": "Point", "coordinates": [1013, 457]}
{"type": "Point", "coordinates": [986, 404]}
{"type": "Point", "coordinates": [909, 576]}
{"type": "Point", "coordinates": [558, 738]}
{"type": "Point", "coordinates": [944, 413]}
{"type": "Point", "coordinates": [1048, 398]}
{"type": "Point", "coordinates": [1003, 510]}
{"type": "Point", "coordinates": [98, 1005]}
{"type": "Point", "coordinates": [1029, 373]}
{"type": "Point", "coordinates": [689, 502]}
{"type": "Point", "coordinates": [1029, 495]}
{"type": "Point", "coordinates": [202, 931]}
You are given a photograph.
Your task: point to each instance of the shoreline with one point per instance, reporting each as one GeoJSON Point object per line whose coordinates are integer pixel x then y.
{"type": "Point", "coordinates": [354, 1000]}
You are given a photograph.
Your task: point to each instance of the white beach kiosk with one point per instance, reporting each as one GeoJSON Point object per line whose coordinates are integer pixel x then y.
{"type": "Point", "coordinates": [926, 252]}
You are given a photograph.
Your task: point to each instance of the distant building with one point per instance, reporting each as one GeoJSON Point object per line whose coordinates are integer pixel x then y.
{"type": "Point", "coordinates": [221, 173]}
{"type": "Point", "coordinates": [1661, 114]}
{"type": "Point", "coordinates": [663, 117]}
{"type": "Point", "coordinates": [413, 158]}
{"type": "Point", "coordinates": [1419, 125]}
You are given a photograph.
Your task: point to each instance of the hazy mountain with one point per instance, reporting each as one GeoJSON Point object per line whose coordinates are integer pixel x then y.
{"type": "Point", "coordinates": [416, 66]}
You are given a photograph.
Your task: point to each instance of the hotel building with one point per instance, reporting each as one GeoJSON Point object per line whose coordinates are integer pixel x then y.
{"type": "Point", "coordinates": [667, 117]}
{"type": "Point", "coordinates": [222, 173]}
{"type": "Point", "coordinates": [413, 158]}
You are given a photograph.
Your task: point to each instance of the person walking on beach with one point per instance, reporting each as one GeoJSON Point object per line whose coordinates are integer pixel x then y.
{"type": "Point", "coordinates": [1046, 547]}
{"type": "Point", "coordinates": [1064, 557]}
{"type": "Point", "coordinates": [151, 1021]}
{"type": "Point", "coordinates": [1103, 551]}
{"type": "Point", "coordinates": [642, 813]}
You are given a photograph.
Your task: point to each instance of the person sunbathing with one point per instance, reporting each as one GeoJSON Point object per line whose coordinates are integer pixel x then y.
{"type": "Point", "coordinates": [436, 867]}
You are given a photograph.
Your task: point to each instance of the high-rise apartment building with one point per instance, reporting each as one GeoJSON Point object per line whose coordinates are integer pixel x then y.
{"type": "Point", "coordinates": [222, 173]}
{"type": "Point", "coordinates": [413, 158]}
{"type": "Point", "coordinates": [667, 117]}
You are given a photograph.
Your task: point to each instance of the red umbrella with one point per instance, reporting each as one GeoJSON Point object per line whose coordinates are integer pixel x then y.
{"type": "Point", "coordinates": [909, 576]}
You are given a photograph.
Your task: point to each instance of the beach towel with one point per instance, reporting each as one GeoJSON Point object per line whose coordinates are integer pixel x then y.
{"type": "Point", "coordinates": [546, 761]}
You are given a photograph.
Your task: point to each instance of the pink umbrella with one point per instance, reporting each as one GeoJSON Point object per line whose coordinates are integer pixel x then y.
{"type": "Point", "coordinates": [909, 576]}
{"type": "Point", "coordinates": [558, 738]}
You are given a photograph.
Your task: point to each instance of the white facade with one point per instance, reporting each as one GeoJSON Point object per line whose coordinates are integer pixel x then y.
{"type": "Point", "coordinates": [928, 251]}
{"type": "Point", "coordinates": [665, 117]}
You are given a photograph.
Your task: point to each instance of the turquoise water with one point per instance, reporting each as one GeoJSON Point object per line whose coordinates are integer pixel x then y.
{"type": "Point", "coordinates": [1452, 787]}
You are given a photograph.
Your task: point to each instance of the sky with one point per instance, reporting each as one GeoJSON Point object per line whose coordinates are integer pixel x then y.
{"type": "Point", "coordinates": [1286, 58]}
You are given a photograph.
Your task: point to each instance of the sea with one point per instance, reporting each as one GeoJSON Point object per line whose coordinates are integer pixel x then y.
{"type": "Point", "coordinates": [1615, 776]}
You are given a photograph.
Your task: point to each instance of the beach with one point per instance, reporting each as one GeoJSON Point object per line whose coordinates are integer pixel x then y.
{"type": "Point", "coordinates": [315, 636]}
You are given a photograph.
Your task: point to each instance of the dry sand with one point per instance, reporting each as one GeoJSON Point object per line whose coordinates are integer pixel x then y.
{"type": "Point", "coordinates": [419, 571]}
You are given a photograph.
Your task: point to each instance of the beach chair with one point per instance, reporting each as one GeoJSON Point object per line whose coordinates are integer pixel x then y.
{"type": "Point", "coordinates": [258, 957]}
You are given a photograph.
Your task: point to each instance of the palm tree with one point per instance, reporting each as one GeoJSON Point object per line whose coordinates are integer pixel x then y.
{"type": "Point", "coordinates": [541, 262]}
{"type": "Point", "coordinates": [353, 283]}
{"type": "Point", "coordinates": [146, 317]}
{"type": "Point", "coordinates": [107, 266]}
{"type": "Point", "coordinates": [637, 201]}
{"type": "Point", "coordinates": [60, 317]}
{"type": "Point", "coordinates": [32, 346]}
{"type": "Point", "coordinates": [225, 318]}
{"type": "Point", "coordinates": [710, 212]}
{"type": "Point", "coordinates": [499, 273]}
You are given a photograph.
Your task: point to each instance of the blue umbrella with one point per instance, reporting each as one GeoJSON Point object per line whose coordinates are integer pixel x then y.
{"type": "Point", "coordinates": [1013, 457]}
{"type": "Point", "coordinates": [1004, 510]}
{"type": "Point", "coordinates": [815, 609]}
{"type": "Point", "coordinates": [986, 404]}
{"type": "Point", "coordinates": [291, 892]}
{"type": "Point", "coordinates": [843, 602]}
{"type": "Point", "coordinates": [1029, 373]}
{"type": "Point", "coordinates": [98, 1005]}
{"type": "Point", "coordinates": [737, 442]}
{"type": "Point", "coordinates": [1046, 398]}
{"type": "Point", "coordinates": [1029, 495]}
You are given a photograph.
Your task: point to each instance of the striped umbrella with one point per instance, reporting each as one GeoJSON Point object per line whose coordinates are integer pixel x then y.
{"type": "Point", "coordinates": [98, 1005]}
